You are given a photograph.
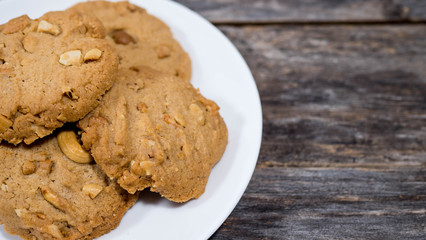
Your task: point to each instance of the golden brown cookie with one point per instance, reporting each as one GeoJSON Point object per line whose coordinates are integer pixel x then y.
{"type": "Point", "coordinates": [46, 195]}
{"type": "Point", "coordinates": [140, 38]}
{"type": "Point", "coordinates": [52, 70]}
{"type": "Point", "coordinates": [155, 130]}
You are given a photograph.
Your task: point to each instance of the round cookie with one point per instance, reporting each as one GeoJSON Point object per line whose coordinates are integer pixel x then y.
{"type": "Point", "coordinates": [52, 70]}
{"type": "Point", "coordinates": [140, 38]}
{"type": "Point", "coordinates": [155, 130]}
{"type": "Point", "coordinates": [46, 195]}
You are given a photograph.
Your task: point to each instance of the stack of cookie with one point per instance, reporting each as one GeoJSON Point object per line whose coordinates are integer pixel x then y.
{"type": "Point", "coordinates": [97, 105]}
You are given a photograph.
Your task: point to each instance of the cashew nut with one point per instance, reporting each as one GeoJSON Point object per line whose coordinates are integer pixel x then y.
{"type": "Point", "coordinates": [122, 37]}
{"type": "Point", "coordinates": [28, 167]}
{"type": "Point", "coordinates": [53, 198]}
{"type": "Point", "coordinates": [196, 110]}
{"type": "Point", "coordinates": [163, 51]}
{"type": "Point", "coordinates": [143, 168]}
{"type": "Point", "coordinates": [92, 190]}
{"type": "Point", "coordinates": [70, 146]}
{"type": "Point", "coordinates": [180, 120]}
{"type": "Point", "coordinates": [92, 55]}
{"type": "Point", "coordinates": [70, 58]}
{"type": "Point", "coordinates": [20, 211]}
{"type": "Point", "coordinates": [45, 166]}
{"type": "Point", "coordinates": [4, 123]}
{"type": "Point", "coordinates": [46, 27]}
{"type": "Point", "coordinates": [41, 216]}
{"type": "Point", "coordinates": [4, 187]}
{"type": "Point", "coordinates": [54, 231]}
{"type": "Point", "coordinates": [142, 107]}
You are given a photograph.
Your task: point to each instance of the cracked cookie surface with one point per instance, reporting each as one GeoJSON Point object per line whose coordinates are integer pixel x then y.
{"type": "Point", "coordinates": [46, 195]}
{"type": "Point", "coordinates": [52, 70]}
{"type": "Point", "coordinates": [140, 38]}
{"type": "Point", "coordinates": [155, 130]}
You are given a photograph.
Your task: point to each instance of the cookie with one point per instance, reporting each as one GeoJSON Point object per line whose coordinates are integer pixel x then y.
{"type": "Point", "coordinates": [155, 130]}
{"type": "Point", "coordinates": [46, 195]}
{"type": "Point", "coordinates": [140, 38]}
{"type": "Point", "coordinates": [52, 70]}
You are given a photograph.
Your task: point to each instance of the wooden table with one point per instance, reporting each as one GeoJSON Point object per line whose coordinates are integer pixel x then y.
{"type": "Point", "coordinates": [343, 91]}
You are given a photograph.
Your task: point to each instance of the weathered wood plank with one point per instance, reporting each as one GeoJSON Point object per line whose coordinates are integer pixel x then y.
{"type": "Point", "coordinates": [327, 203]}
{"type": "Point", "coordinates": [344, 146]}
{"type": "Point", "coordinates": [343, 95]}
{"type": "Point", "coordinates": [254, 11]}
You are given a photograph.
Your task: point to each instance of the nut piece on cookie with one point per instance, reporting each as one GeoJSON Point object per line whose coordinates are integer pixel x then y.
{"type": "Point", "coordinates": [142, 107]}
{"type": "Point", "coordinates": [163, 51]}
{"type": "Point", "coordinates": [54, 198]}
{"type": "Point", "coordinates": [41, 216]}
{"type": "Point", "coordinates": [70, 58]}
{"type": "Point", "coordinates": [4, 187]}
{"type": "Point", "coordinates": [28, 167]}
{"type": "Point", "coordinates": [45, 166]}
{"type": "Point", "coordinates": [20, 211]}
{"type": "Point", "coordinates": [180, 120]}
{"type": "Point", "coordinates": [92, 55]}
{"type": "Point", "coordinates": [122, 37]}
{"type": "Point", "coordinates": [46, 27]}
{"type": "Point", "coordinates": [4, 123]}
{"type": "Point", "coordinates": [55, 231]}
{"type": "Point", "coordinates": [92, 190]}
{"type": "Point", "coordinates": [67, 141]}
{"type": "Point", "coordinates": [142, 168]}
{"type": "Point", "coordinates": [198, 113]}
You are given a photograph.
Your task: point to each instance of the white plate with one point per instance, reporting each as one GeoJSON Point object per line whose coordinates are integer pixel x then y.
{"type": "Point", "coordinates": [223, 76]}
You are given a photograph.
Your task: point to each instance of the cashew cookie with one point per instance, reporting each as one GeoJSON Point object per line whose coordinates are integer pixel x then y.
{"type": "Point", "coordinates": [140, 38]}
{"type": "Point", "coordinates": [53, 70]}
{"type": "Point", "coordinates": [44, 194]}
{"type": "Point", "coordinates": [155, 130]}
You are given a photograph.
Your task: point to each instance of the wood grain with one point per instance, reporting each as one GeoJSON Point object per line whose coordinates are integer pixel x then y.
{"type": "Point", "coordinates": [266, 11]}
{"type": "Point", "coordinates": [354, 94]}
{"type": "Point", "coordinates": [344, 142]}
{"type": "Point", "coordinates": [325, 203]}
{"type": "Point", "coordinates": [357, 94]}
